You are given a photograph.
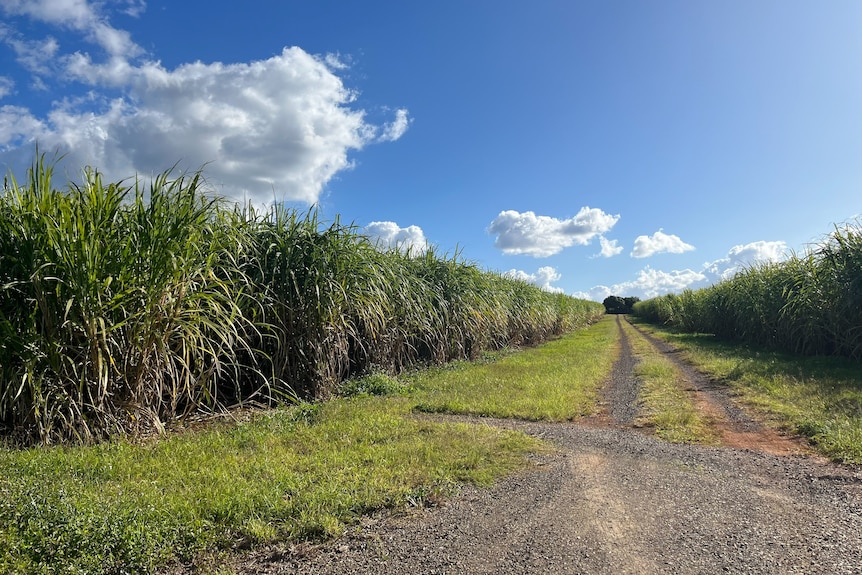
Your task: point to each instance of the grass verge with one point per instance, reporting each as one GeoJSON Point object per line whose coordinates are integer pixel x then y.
{"type": "Point", "coordinates": [817, 397]}
{"type": "Point", "coordinates": [305, 472]}
{"type": "Point", "coordinates": [557, 381]}
{"type": "Point", "coordinates": [298, 473]}
{"type": "Point", "coordinates": [666, 406]}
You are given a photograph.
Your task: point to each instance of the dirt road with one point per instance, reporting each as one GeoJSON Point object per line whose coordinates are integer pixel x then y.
{"type": "Point", "coordinates": [615, 500]}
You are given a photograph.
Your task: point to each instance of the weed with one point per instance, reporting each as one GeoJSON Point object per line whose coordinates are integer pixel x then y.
{"type": "Point", "coordinates": [375, 383]}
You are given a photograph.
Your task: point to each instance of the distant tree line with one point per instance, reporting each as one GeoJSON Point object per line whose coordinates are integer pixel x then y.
{"type": "Point", "coordinates": [617, 304]}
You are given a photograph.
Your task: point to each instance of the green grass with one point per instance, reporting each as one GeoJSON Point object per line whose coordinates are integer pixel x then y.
{"type": "Point", "coordinates": [818, 397]}
{"type": "Point", "coordinates": [297, 473]}
{"type": "Point", "coordinates": [303, 472]}
{"type": "Point", "coordinates": [665, 404]}
{"type": "Point", "coordinates": [557, 381]}
{"type": "Point", "coordinates": [375, 383]}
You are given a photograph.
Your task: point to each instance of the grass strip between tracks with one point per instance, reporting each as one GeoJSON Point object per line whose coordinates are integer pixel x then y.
{"type": "Point", "coordinates": [817, 397]}
{"type": "Point", "coordinates": [304, 472]}
{"type": "Point", "coordinates": [665, 404]}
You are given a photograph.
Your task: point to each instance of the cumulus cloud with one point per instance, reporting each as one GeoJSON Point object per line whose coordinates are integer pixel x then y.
{"type": "Point", "coordinates": [650, 283]}
{"type": "Point", "coordinates": [543, 278]}
{"type": "Point", "coordinates": [266, 130]}
{"type": "Point", "coordinates": [542, 236]}
{"type": "Point", "coordinates": [610, 248]}
{"type": "Point", "coordinates": [16, 123]}
{"type": "Point", "coordinates": [741, 256]}
{"type": "Point", "coordinates": [390, 235]}
{"type": "Point", "coordinates": [657, 243]}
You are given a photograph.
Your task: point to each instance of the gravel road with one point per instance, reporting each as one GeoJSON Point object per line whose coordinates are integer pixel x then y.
{"type": "Point", "coordinates": [616, 500]}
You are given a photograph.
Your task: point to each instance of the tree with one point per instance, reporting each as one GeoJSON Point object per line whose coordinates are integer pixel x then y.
{"type": "Point", "coordinates": [617, 304]}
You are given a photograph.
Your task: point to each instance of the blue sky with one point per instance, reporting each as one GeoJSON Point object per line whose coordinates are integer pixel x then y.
{"type": "Point", "coordinates": [593, 147]}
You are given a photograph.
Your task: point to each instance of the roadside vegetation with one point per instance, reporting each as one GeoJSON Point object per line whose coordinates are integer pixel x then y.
{"type": "Point", "coordinates": [288, 474]}
{"type": "Point", "coordinates": [130, 315]}
{"type": "Point", "coordinates": [817, 397]}
{"type": "Point", "coordinates": [787, 336]}
{"type": "Point", "coordinates": [558, 381]}
{"type": "Point", "coordinates": [807, 305]}
{"type": "Point", "coordinates": [665, 405]}
{"type": "Point", "coordinates": [126, 307]}
{"type": "Point", "coordinates": [294, 473]}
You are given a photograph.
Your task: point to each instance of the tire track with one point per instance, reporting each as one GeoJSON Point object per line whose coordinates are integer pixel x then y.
{"type": "Point", "coordinates": [620, 393]}
{"type": "Point", "coordinates": [734, 425]}
{"type": "Point", "coordinates": [612, 500]}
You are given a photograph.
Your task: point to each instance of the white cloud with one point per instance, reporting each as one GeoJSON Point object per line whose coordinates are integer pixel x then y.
{"type": "Point", "coordinates": [6, 86]}
{"type": "Point", "coordinates": [650, 283]}
{"type": "Point", "coordinates": [78, 15]}
{"type": "Point", "coordinates": [542, 236]}
{"type": "Point", "coordinates": [17, 123]}
{"type": "Point", "coordinates": [657, 243]}
{"type": "Point", "coordinates": [267, 130]}
{"type": "Point", "coordinates": [116, 72]}
{"type": "Point", "coordinates": [597, 293]}
{"type": "Point", "coordinates": [741, 256]}
{"type": "Point", "coordinates": [389, 234]}
{"type": "Point", "coordinates": [117, 43]}
{"type": "Point", "coordinates": [135, 8]}
{"type": "Point", "coordinates": [72, 13]}
{"type": "Point", "coordinates": [336, 62]}
{"type": "Point", "coordinates": [394, 130]}
{"type": "Point", "coordinates": [543, 278]}
{"type": "Point", "coordinates": [36, 56]}
{"type": "Point", "coordinates": [610, 248]}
